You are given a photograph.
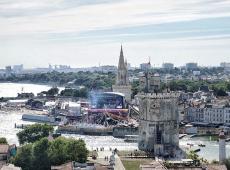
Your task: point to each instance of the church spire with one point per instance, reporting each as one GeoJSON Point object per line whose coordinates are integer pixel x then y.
{"type": "Point", "coordinates": [121, 52]}
{"type": "Point", "coordinates": [121, 63]}
{"type": "Point", "coordinates": [122, 70]}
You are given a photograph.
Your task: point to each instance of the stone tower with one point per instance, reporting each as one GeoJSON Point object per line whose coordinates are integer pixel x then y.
{"type": "Point", "coordinates": [222, 147]}
{"type": "Point", "coordinates": [122, 81]}
{"type": "Point", "coordinates": [159, 123]}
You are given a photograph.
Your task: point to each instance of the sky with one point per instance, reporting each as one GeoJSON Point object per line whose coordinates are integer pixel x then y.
{"type": "Point", "coordinates": [83, 33]}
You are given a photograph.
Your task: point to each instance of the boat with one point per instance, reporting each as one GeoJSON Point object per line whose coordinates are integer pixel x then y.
{"type": "Point", "coordinates": [131, 138]}
{"type": "Point", "coordinates": [201, 145]}
{"type": "Point", "coordinates": [197, 150]}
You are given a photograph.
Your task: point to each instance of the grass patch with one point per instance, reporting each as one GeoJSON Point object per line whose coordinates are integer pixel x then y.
{"type": "Point", "coordinates": [134, 164]}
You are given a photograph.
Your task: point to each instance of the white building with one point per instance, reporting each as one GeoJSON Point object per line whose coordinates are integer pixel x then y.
{"type": "Point", "coordinates": [195, 114]}
{"type": "Point", "coordinates": [209, 114]}
{"type": "Point", "coordinates": [214, 115]}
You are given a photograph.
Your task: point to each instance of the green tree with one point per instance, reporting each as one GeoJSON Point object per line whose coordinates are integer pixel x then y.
{"type": "Point", "coordinates": [3, 141]}
{"type": "Point", "coordinates": [77, 150]}
{"type": "Point", "coordinates": [34, 133]}
{"type": "Point", "coordinates": [53, 91]}
{"type": "Point", "coordinates": [192, 155]}
{"type": "Point", "coordinates": [24, 157]}
{"type": "Point", "coordinates": [40, 155]}
{"type": "Point", "coordinates": [57, 151]}
{"type": "Point", "coordinates": [135, 87]}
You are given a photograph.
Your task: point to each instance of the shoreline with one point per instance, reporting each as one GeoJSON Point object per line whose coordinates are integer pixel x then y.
{"type": "Point", "coordinates": [9, 89]}
{"type": "Point", "coordinates": [32, 83]}
{"type": "Point", "coordinates": [20, 110]}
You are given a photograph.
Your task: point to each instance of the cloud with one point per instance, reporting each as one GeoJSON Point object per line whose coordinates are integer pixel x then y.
{"type": "Point", "coordinates": [60, 16]}
{"type": "Point", "coordinates": [62, 23]}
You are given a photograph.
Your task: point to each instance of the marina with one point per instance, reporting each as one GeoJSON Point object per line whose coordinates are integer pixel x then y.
{"type": "Point", "coordinates": [8, 130]}
{"type": "Point", "coordinates": [10, 117]}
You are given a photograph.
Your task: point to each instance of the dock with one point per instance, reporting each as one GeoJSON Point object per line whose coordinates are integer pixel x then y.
{"type": "Point", "coordinates": [86, 129]}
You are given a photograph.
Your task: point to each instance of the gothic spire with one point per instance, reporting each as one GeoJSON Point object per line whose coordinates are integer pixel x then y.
{"type": "Point", "coordinates": [122, 73]}
{"type": "Point", "coordinates": [121, 64]}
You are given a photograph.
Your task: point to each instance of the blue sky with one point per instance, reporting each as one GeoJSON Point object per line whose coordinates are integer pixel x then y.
{"type": "Point", "coordinates": [88, 32]}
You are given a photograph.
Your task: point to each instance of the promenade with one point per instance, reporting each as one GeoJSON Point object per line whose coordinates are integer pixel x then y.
{"type": "Point", "coordinates": [107, 153]}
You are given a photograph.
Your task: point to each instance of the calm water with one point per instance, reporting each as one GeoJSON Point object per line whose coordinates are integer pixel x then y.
{"type": "Point", "coordinates": [210, 151]}
{"type": "Point", "coordinates": [7, 129]}
{"type": "Point", "coordinates": [12, 89]}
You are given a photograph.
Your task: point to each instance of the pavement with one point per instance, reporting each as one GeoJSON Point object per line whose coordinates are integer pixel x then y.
{"type": "Point", "coordinates": [101, 159]}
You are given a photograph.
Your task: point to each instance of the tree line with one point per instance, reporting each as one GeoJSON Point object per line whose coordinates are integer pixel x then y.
{"type": "Point", "coordinates": [95, 80]}
{"type": "Point", "coordinates": [219, 87]}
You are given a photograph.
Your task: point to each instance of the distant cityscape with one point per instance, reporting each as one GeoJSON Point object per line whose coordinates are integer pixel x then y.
{"type": "Point", "coordinates": [20, 69]}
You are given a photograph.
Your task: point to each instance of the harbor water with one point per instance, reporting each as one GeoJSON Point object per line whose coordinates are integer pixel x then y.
{"type": "Point", "coordinates": [7, 130]}
{"type": "Point", "coordinates": [8, 120]}
{"type": "Point", "coordinates": [12, 89]}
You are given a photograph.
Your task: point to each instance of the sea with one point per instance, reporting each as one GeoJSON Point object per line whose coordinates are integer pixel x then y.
{"type": "Point", "coordinates": [12, 89]}
{"type": "Point", "coordinates": [8, 130]}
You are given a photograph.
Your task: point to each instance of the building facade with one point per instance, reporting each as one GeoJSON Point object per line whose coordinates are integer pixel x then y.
{"type": "Point", "coordinates": [209, 114]}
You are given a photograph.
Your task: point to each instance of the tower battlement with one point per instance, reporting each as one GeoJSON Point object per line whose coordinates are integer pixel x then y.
{"type": "Point", "coordinates": [159, 95]}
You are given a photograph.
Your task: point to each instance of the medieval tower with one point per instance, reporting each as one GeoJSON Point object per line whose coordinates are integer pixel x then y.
{"type": "Point", "coordinates": [159, 118]}
{"type": "Point", "coordinates": [158, 129]}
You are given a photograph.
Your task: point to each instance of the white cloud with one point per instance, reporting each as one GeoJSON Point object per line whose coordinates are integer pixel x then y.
{"type": "Point", "coordinates": [106, 15]}
{"type": "Point", "coordinates": [26, 26]}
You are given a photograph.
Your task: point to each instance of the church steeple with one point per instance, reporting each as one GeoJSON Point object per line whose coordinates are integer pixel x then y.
{"type": "Point", "coordinates": [122, 82]}
{"type": "Point", "coordinates": [122, 74]}
{"type": "Point", "coordinates": [121, 64]}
